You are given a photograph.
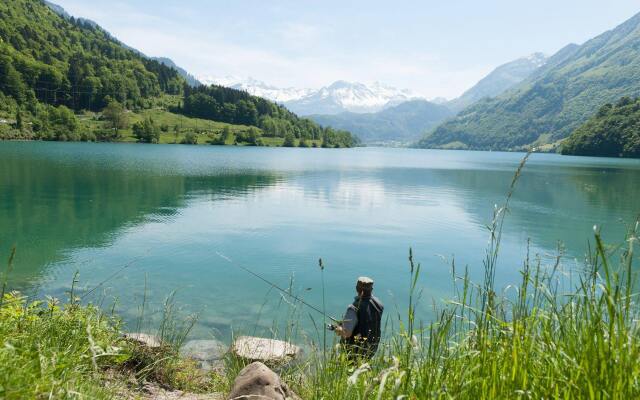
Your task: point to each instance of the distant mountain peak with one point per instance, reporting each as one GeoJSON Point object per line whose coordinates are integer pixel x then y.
{"type": "Point", "coordinates": [191, 80]}
{"type": "Point", "coordinates": [537, 59]}
{"type": "Point", "coordinates": [356, 97]}
{"type": "Point", "coordinates": [340, 96]}
{"type": "Point", "coordinates": [501, 79]}
{"type": "Point", "coordinates": [257, 87]}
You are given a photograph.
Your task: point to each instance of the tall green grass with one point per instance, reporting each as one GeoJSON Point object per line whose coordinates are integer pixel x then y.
{"type": "Point", "coordinates": [49, 351]}
{"type": "Point", "coordinates": [65, 351]}
{"type": "Point", "coordinates": [534, 341]}
{"type": "Point", "coordinates": [540, 339]}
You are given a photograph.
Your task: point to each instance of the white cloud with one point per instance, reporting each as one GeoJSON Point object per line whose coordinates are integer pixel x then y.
{"type": "Point", "coordinates": [302, 54]}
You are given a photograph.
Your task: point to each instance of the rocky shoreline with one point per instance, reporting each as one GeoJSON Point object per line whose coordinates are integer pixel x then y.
{"type": "Point", "coordinates": [256, 380]}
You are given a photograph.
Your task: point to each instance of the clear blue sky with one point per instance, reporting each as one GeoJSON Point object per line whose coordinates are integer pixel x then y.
{"type": "Point", "coordinates": [436, 48]}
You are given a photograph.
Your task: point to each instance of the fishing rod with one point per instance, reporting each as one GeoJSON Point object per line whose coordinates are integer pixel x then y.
{"type": "Point", "coordinates": [273, 285]}
{"type": "Point", "coordinates": [125, 266]}
{"type": "Point", "coordinates": [87, 293]}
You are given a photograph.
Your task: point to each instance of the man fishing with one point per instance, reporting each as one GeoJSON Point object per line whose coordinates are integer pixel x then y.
{"type": "Point", "coordinates": [360, 328]}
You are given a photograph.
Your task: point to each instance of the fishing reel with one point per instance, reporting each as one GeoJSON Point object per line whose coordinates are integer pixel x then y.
{"type": "Point", "coordinates": [331, 327]}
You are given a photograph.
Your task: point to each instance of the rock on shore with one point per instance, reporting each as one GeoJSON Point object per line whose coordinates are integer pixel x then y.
{"type": "Point", "coordinates": [144, 339]}
{"type": "Point", "coordinates": [268, 351]}
{"type": "Point", "coordinates": [257, 381]}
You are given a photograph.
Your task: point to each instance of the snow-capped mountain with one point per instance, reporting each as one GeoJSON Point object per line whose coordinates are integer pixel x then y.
{"type": "Point", "coordinates": [258, 88]}
{"type": "Point", "coordinates": [355, 97]}
{"type": "Point", "coordinates": [336, 98]}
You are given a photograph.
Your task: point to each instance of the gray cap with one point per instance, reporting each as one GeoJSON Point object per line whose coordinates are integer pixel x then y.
{"type": "Point", "coordinates": [365, 281]}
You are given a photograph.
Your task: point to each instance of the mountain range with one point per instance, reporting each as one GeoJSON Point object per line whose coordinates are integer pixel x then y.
{"type": "Point", "coordinates": [258, 88]}
{"type": "Point", "coordinates": [379, 113]}
{"type": "Point", "coordinates": [555, 100]}
{"type": "Point", "coordinates": [399, 124]}
{"type": "Point", "coordinates": [336, 98]}
{"type": "Point", "coordinates": [531, 101]}
{"type": "Point", "coordinates": [408, 122]}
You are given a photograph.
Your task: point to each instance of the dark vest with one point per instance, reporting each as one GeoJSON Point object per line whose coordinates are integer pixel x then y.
{"type": "Point", "coordinates": [366, 334]}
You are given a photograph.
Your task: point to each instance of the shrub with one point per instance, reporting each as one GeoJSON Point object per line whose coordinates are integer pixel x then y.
{"type": "Point", "coordinates": [190, 138]}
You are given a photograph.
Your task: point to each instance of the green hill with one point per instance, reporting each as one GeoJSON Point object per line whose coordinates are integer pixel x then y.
{"type": "Point", "coordinates": [555, 100]}
{"type": "Point", "coordinates": [499, 80]}
{"type": "Point", "coordinates": [45, 58]}
{"type": "Point", "coordinates": [54, 67]}
{"type": "Point", "coordinates": [403, 123]}
{"type": "Point", "coordinates": [613, 132]}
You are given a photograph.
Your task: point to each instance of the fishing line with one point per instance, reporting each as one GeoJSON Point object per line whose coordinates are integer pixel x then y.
{"type": "Point", "coordinates": [273, 285]}
{"type": "Point", "coordinates": [125, 266]}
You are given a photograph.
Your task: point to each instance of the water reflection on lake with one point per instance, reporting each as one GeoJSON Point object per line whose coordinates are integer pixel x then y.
{"type": "Point", "coordinates": [94, 208]}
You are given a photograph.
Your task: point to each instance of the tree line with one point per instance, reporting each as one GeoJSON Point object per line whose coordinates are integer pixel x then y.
{"type": "Point", "coordinates": [239, 107]}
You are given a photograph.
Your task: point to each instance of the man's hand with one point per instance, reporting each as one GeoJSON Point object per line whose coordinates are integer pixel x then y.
{"type": "Point", "coordinates": [343, 333]}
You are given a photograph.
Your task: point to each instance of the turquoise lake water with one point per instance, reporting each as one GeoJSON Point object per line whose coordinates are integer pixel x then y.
{"type": "Point", "coordinates": [170, 211]}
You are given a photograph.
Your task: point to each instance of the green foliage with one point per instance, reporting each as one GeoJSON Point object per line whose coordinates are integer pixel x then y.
{"type": "Point", "coordinates": [613, 132]}
{"type": "Point", "coordinates": [55, 123]}
{"type": "Point", "coordinates": [50, 59]}
{"type": "Point", "coordinates": [116, 116]}
{"type": "Point", "coordinates": [289, 140]}
{"type": "Point", "coordinates": [556, 100]}
{"type": "Point", "coordinates": [49, 351]}
{"type": "Point", "coordinates": [332, 138]}
{"type": "Point", "coordinates": [56, 351]}
{"type": "Point", "coordinates": [253, 136]}
{"type": "Point", "coordinates": [237, 107]}
{"type": "Point", "coordinates": [190, 138]}
{"type": "Point", "coordinates": [226, 134]}
{"type": "Point", "coordinates": [19, 124]}
{"type": "Point", "coordinates": [146, 131]}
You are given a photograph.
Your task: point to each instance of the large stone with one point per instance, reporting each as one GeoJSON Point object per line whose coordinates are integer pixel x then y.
{"type": "Point", "coordinates": [209, 354]}
{"type": "Point", "coordinates": [144, 339]}
{"type": "Point", "coordinates": [268, 351]}
{"type": "Point", "coordinates": [257, 381]}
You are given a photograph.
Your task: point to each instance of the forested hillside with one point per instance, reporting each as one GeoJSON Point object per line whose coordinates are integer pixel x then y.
{"type": "Point", "coordinates": [556, 100]}
{"type": "Point", "coordinates": [57, 71]}
{"type": "Point", "coordinates": [613, 132]}
{"type": "Point", "coordinates": [238, 107]}
{"type": "Point", "coordinates": [49, 59]}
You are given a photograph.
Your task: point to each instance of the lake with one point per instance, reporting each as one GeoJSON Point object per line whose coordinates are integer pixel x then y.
{"type": "Point", "coordinates": [173, 215]}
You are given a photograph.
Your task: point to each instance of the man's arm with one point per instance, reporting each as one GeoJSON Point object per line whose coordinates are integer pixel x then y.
{"type": "Point", "coordinates": [345, 330]}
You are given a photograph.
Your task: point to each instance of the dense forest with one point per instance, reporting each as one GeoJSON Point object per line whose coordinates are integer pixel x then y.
{"type": "Point", "coordinates": [55, 68]}
{"type": "Point", "coordinates": [613, 132]}
{"type": "Point", "coordinates": [45, 58]}
{"type": "Point", "coordinates": [238, 107]}
{"type": "Point", "coordinates": [553, 102]}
